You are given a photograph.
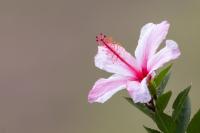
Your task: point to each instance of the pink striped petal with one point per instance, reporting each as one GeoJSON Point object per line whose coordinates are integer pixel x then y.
{"type": "Point", "coordinates": [103, 89]}
{"type": "Point", "coordinates": [169, 52]}
{"type": "Point", "coordinates": [150, 38]}
{"type": "Point", "coordinates": [109, 62]}
{"type": "Point", "coordinates": [139, 91]}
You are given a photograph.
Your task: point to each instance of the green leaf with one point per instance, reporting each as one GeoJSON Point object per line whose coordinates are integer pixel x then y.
{"type": "Point", "coordinates": [152, 88]}
{"type": "Point", "coordinates": [179, 103]}
{"type": "Point", "coordinates": [159, 78]}
{"type": "Point", "coordinates": [164, 122]}
{"type": "Point", "coordinates": [142, 108]}
{"type": "Point", "coordinates": [149, 130]}
{"type": "Point", "coordinates": [163, 100]}
{"type": "Point", "coordinates": [160, 81]}
{"type": "Point", "coordinates": [163, 84]}
{"type": "Point", "coordinates": [184, 117]}
{"type": "Point", "coordinates": [194, 124]}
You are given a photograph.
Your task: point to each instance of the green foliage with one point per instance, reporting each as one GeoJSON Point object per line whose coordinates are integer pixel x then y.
{"type": "Point", "coordinates": [182, 111]}
{"type": "Point", "coordinates": [152, 88]}
{"type": "Point", "coordinates": [163, 84]}
{"type": "Point", "coordinates": [164, 122]}
{"type": "Point", "coordinates": [149, 130]}
{"type": "Point", "coordinates": [161, 80]}
{"type": "Point", "coordinates": [194, 126]}
{"type": "Point", "coordinates": [179, 103]}
{"type": "Point", "coordinates": [178, 122]}
{"type": "Point", "coordinates": [184, 117]}
{"type": "Point", "coordinates": [162, 101]}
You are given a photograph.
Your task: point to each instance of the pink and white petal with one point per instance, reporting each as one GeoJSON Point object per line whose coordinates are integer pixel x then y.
{"type": "Point", "coordinates": [150, 38]}
{"type": "Point", "coordinates": [139, 91]}
{"type": "Point", "coordinates": [105, 60]}
{"type": "Point", "coordinates": [104, 89]}
{"type": "Point", "coordinates": [169, 52]}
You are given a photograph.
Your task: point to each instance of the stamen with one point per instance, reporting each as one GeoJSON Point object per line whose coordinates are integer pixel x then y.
{"type": "Point", "coordinates": [105, 41]}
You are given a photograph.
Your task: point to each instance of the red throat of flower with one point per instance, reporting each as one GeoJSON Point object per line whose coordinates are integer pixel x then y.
{"type": "Point", "coordinates": [112, 46]}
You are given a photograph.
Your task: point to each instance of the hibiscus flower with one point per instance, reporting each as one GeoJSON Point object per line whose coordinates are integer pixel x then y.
{"type": "Point", "coordinates": [132, 74]}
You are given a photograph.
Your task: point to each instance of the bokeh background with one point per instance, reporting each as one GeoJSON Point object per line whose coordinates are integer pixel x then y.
{"type": "Point", "coordinates": [47, 49]}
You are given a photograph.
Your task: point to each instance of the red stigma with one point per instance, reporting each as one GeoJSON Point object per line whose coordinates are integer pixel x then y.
{"type": "Point", "coordinates": [101, 38]}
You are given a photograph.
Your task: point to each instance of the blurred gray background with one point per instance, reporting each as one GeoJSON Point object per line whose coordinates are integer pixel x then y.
{"type": "Point", "coordinates": [47, 49]}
